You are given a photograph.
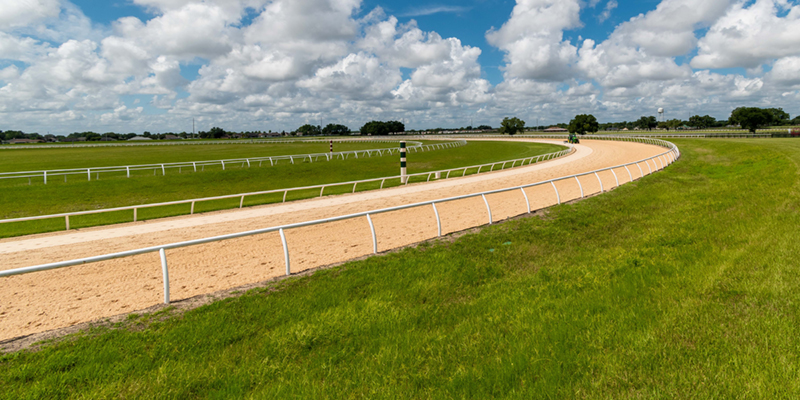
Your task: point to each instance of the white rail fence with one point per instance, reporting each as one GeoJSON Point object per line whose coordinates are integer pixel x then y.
{"type": "Point", "coordinates": [195, 166]}
{"type": "Point", "coordinates": [659, 162]}
{"type": "Point", "coordinates": [456, 172]}
{"type": "Point", "coordinates": [191, 142]}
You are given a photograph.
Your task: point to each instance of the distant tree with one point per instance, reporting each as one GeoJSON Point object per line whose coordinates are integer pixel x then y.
{"type": "Point", "coordinates": [583, 123]}
{"type": "Point", "coordinates": [647, 123]}
{"type": "Point", "coordinates": [703, 122]}
{"type": "Point", "coordinates": [779, 117]}
{"type": "Point", "coordinates": [751, 118]}
{"type": "Point", "coordinates": [335, 129]}
{"type": "Point", "coordinates": [512, 126]}
{"type": "Point", "coordinates": [395, 126]}
{"type": "Point", "coordinates": [146, 134]}
{"type": "Point", "coordinates": [215, 133]}
{"type": "Point", "coordinates": [484, 128]}
{"type": "Point", "coordinates": [382, 128]}
{"type": "Point", "coordinates": [796, 120]}
{"type": "Point", "coordinates": [309, 130]}
{"type": "Point", "coordinates": [374, 128]}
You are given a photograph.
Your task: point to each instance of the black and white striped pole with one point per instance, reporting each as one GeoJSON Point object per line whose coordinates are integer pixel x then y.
{"type": "Point", "coordinates": [403, 177]}
{"type": "Point", "coordinates": [331, 146]}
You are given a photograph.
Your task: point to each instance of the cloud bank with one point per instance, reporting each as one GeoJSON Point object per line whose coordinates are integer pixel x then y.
{"type": "Point", "coordinates": [273, 64]}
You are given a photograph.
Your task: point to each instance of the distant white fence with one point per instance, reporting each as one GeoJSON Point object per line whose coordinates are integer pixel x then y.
{"type": "Point", "coordinates": [188, 142]}
{"type": "Point", "coordinates": [461, 171]}
{"type": "Point", "coordinates": [196, 166]}
{"type": "Point", "coordinates": [658, 162]}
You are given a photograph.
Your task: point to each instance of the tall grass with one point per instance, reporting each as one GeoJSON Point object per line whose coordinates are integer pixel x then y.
{"type": "Point", "coordinates": [681, 285]}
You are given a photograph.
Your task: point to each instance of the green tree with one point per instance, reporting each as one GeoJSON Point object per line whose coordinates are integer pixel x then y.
{"type": "Point", "coordinates": [309, 130]}
{"type": "Point", "coordinates": [512, 126]}
{"type": "Point", "coordinates": [335, 129]}
{"type": "Point", "coordinates": [216, 133]}
{"type": "Point", "coordinates": [703, 122]}
{"type": "Point", "coordinates": [583, 123]}
{"type": "Point", "coordinates": [779, 117]}
{"type": "Point", "coordinates": [751, 118]}
{"type": "Point", "coordinates": [647, 122]}
{"type": "Point", "coordinates": [382, 128]}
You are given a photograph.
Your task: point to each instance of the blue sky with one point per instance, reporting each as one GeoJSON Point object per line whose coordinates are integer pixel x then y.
{"type": "Point", "coordinates": [135, 65]}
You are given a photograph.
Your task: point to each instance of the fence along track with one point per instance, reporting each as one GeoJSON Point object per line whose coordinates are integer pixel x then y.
{"type": "Point", "coordinates": [659, 162]}
{"type": "Point", "coordinates": [489, 167]}
{"type": "Point", "coordinates": [190, 142]}
{"type": "Point", "coordinates": [196, 166]}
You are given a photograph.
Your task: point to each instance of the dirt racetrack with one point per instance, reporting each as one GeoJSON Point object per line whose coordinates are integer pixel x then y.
{"type": "Point", "coordinates": [53, 299]}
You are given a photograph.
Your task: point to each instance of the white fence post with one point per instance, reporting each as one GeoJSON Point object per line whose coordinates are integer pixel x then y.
{"type": "Point", "coordinates": [488, 209]}
{"type": "Point", "coordinates": [527, 202]}
{"type": "Point", "coordinates": [241, 202]}
{"type": "Point", "coordinates": [89, 174]}
{"type": "Point", "coordinates": [640, 170]}
{"type": "Point", "coordinates": [629, 173]}
{"type": "Point", "coordinates": [134, 214]}
{"type": "Point", "coordinates": [615, 176]}
{"type": "Point", "coordinates": [438, 220]}
{"type": "Point", "coordinates": [66, 218]}
{"type": "Point", "coordinates": [285, 252]}
{"type": "Point", "coordinates": [558, 196]}
{"type": "Point", "coordinates": [601, 182]}
{"type": "Point", "coordinates": [579, 185]}
{"type": "Point", "coordinates": [374, 236]}
{"type": "Point", "coordinates": [165, 273]}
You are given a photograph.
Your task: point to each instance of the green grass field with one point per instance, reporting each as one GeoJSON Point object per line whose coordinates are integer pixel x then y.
{"type": "Point", "coordinates": [681, 285]}
{"type": "Point", "coordinates": [12, 160]}
{"type": "Point", "coordinates": [77, 194]}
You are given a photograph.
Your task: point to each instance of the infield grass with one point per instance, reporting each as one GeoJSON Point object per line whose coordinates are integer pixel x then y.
{"type": "Point", "coordinates": [681, 285]}
{"type": "Point", "coordinates": [78, 194]}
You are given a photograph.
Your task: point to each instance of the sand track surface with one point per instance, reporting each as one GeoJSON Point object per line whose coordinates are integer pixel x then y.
{"type": "Point", "coordinates": [53, 299]}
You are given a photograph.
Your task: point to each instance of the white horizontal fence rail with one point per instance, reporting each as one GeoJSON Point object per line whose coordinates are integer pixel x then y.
{"type": "Point", "coordinates": [665, 158]}
{"type": "Point", "coordinates": [708, 135]}
{"type": "Point", "coordinates": [488, 167]}
{"type": "Point", "coordinates": [188, 142]}
{"type": "Point", "coordinates": [195, 166]}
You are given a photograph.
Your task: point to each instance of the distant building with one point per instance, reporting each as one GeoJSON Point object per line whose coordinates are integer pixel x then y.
{"type": "Point", "coordinates": [553, 129]}
{"type": "Point", "coordinates": [138, 139]}
{"type": "Point", "coordinates": [172, 137]}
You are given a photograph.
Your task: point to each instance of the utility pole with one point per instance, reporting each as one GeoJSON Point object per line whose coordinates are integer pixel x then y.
{"type": "Point", "coordinates": [192, 127]}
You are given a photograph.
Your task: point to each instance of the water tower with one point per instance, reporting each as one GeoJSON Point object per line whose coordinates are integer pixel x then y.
{"type": "Point", "coordinates": [661, 114]}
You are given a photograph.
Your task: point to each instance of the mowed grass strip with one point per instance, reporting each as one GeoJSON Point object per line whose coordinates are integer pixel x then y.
{"type": "Point", "coordinates": [67, 157]}
{"type": "Point", "coordinates": [21, 199]}
{"type": "Point", "coordinates": [681, 285]}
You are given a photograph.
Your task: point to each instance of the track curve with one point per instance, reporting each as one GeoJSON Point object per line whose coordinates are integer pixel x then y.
{"type": "Point", "coordinates": [53, 299]}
